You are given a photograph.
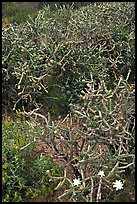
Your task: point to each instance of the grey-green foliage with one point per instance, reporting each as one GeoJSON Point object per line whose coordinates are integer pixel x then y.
{"type": "Point", "coordinates": [108, 35]}
{"type": "Point", "coordinates": [64, 43]}
{"type": "Point", "coordinates": [97, 135]}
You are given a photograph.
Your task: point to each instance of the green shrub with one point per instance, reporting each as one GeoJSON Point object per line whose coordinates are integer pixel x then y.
{"type": "Point", "coordinates": [97, 135]}
{"type": "Point", "coordinates": [82, 59]}
{"type": "Point", "coordinates": [62, 46]}
{"type": "Point", "coordinates": [23, 173]}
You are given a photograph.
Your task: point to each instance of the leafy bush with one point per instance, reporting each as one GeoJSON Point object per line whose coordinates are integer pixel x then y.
{"type": "Point", "coordinates": [23, 173]}
{"type": "Point", "coordinates": [61, 47]}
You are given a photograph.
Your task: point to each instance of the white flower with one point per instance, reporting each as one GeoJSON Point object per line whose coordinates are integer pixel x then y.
{"type": "Point", "coordinates": [101, 173]}
{"type": "Point", "coordinates": [118, 185]}
{"type": "Point", "coordinates": [76, 182]}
